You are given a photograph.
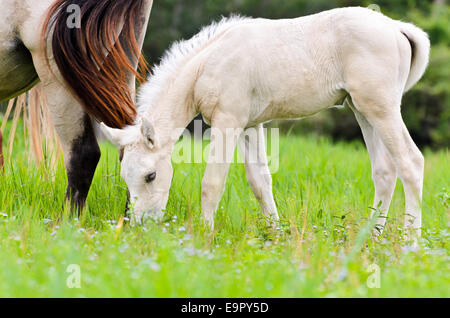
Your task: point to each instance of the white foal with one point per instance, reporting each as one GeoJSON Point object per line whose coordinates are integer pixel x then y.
{"type": "Point", "coordinates": [243, 72]}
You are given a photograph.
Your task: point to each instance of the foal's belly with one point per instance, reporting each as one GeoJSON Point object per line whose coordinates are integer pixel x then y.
{"type": "Point", "coordinates": [302, 104]}
{"type": "Point", "coordinates": [17, 73]}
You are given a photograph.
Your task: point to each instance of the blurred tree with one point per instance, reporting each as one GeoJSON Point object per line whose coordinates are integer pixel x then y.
{"type": "Point", "coordinates": [426, 108]}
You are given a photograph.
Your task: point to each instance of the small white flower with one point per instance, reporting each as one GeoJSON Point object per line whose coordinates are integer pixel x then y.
{"type": "Point", "coordinates": [123, 248]}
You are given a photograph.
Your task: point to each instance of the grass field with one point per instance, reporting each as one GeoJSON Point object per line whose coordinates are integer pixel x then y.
{"type": "Point", "coordinates": [324, 249]}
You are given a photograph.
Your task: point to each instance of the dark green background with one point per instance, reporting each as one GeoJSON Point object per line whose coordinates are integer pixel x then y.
{"type": "Point", "coordinates": [426, 108]}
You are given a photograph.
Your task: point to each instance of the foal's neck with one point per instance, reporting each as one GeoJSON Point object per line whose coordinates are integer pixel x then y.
{"type": "Point", "coordinates": [173, 109]}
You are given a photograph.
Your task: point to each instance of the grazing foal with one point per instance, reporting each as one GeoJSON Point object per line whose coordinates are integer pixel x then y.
{"type": "Point", "coordinates": [243, 72]}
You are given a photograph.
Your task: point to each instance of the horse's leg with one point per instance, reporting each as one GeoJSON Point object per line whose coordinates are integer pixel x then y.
{"type": "Point", "coordinates": [80, 148]}
{"type": "Point", "coordinates": [252, 144]}
{"type": "Point", "coordinates": [84, 157]}
{"type": "Point", "coordinates": [224, 139]}
{"type": "Point", "coordinates": [383, 113]}
{"type": "Point", "coordinates": [384, 174]}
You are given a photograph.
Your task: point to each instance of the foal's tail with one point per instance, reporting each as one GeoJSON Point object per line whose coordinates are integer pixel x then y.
{"type": "Point", "coordinates": [97, 55]}
{"type": "Point", "coordinates": [420, 46]}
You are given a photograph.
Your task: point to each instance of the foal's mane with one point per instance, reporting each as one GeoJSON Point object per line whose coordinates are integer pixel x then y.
{"type": "Point", "coordinates": [98, 81]}
{"type": "Point", "coordinates": [175, 57]}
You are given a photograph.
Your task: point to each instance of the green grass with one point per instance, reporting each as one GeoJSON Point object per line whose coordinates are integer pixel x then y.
{"type": "Point", "coordinates": [323, 192]}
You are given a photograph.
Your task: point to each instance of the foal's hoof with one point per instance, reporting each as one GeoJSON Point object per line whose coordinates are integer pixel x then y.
{"type": "Point", "coordinates": [412, 242]}
{"type": "Point", "coordinates": [208, 224]}
{"type": "Point", "coordinates": [412, 237]}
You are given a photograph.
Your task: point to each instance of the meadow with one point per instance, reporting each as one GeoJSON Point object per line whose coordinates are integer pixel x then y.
{"type": "Point", "coordinates": [323, 248]}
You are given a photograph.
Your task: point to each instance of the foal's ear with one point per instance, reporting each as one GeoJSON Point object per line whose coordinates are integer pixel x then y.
{"type": "Point", "coordinates": [148, 132]}
{"type": "Point", "coordinates": [115, 136]}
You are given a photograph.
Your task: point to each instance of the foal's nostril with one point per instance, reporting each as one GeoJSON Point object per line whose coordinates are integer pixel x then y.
{"type": "Point", "coordinates": [150, 177]}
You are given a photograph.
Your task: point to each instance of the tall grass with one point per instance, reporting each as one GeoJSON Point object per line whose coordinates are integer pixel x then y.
{"type": "Point", "coordinates": [323, 192]}
{"type": "Point", "coordinates": [32, 111]}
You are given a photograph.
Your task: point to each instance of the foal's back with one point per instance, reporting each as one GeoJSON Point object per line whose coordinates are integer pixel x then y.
{"type": "Point", "coordinates": [266, 69]}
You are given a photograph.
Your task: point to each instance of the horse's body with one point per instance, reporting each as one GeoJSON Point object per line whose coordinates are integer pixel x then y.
{"type": "Point", "coordinates": [27, 27]}
{"type": "Point", "coordinates": [243, 72]}
{"type": "Point", "coordinates": [17, 73]}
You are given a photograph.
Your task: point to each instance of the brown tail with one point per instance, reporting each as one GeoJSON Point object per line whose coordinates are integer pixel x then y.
{"type": "Point", "coordinates": [98, 81]}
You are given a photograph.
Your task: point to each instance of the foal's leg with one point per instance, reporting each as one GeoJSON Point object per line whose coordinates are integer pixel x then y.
{"type": "Point", "coordinates": [252, 146]}
{"type": "Point", "coordinates": [74, 128]}
{"type": "Point", "coordinates": [386, 119]}
{"type": "Point", "coordinates": [384, 174]}
{"type": "Point", "coordinates": [224, 137]}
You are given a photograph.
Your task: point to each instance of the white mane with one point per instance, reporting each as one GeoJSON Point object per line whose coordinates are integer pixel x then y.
{"type": "Point", "coordinates": [175, 56]}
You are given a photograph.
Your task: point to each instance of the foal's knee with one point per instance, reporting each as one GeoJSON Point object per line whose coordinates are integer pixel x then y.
{"type": "Point", "coordinates": [419, 161]}
{"type": "Point", "coordinates": [211, 189]}
{"type": "Point", "coordinates": [384, 178]}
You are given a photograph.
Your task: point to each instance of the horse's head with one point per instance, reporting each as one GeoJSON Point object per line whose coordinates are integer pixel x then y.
{"type": "Point", "coordinates": [145, 166]}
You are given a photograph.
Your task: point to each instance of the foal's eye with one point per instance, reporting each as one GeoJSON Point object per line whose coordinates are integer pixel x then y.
{"type": "Point", "coordinates": [150, 177]}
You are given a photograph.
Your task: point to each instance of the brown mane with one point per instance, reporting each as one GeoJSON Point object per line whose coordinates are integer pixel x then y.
{"type": "Point", "coordinates": [99, 82]}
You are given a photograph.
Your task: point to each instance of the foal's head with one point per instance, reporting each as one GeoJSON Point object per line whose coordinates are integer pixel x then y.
{"type": "Point", "coordinates": [145, 166]}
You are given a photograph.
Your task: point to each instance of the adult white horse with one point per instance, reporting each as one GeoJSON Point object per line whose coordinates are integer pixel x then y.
{"type": "Point", "coordinates": [86, 53]}
{"type": "Point", "coordinates": [243, 72]}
